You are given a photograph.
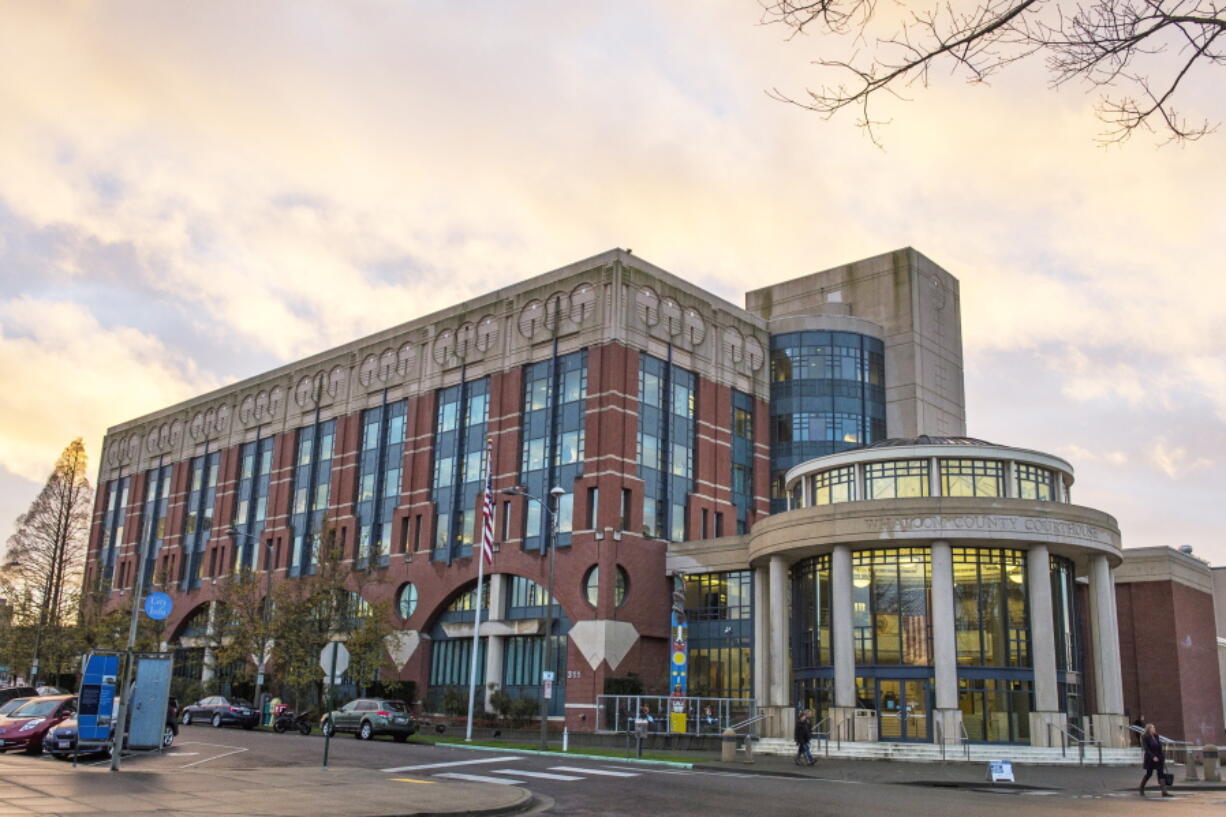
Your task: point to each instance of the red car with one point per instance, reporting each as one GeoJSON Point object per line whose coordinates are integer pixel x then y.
{"type": "Point", "coordinates": [26, 726]}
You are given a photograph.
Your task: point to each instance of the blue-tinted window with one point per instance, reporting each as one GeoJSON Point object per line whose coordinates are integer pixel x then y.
{"type": "Point", "coordinates": [251, 511]}
{"type": "Point", "coordinates": [198, 522]}
{"type": "Point", "coordinates": [827, 395]}
{"type": "Point", "coordinates": [311, 484]}
{"type": "Point", "coordinates": [153, 516]}
{"type": "Point", "coordinates": [113, 522]}
{"type": "Point", "coordinates": [380, 464]}
{"type": "Point", "coordinates": [666, 446]}
{"type": "Point", "coordinates": [459, 466]}
{"type": "Point", "coordinates": [742, 458]}
{"type": "Point", "coordinates": [555, 396]}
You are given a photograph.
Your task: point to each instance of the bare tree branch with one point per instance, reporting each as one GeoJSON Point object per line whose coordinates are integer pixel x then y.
{"type": "Point", "coordinates": [1149, 46]}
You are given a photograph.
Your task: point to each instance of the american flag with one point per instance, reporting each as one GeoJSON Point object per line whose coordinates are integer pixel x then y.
{"type": "Point", "coordinates": [487, 506]}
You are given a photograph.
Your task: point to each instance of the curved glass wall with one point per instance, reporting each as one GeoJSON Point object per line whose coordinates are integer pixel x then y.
{"type": "Point", "coordinates": [906, 478]}
{"type": "Point", "coordinates": [827, 395]}
{"type": "Point", "coordinates": [991, 619]}
{"type": "Point", "coordinates": [891, 593]}
{"type": "Point", "coordinates": [1068, 644]}
{"type": "Point", "coordinates": [812, 656]}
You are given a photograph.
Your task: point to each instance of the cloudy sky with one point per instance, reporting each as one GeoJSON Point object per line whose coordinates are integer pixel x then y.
{"type": "Point", "coordinates": [192, 193]}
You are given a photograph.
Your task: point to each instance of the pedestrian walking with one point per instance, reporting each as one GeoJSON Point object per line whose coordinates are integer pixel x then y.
{"type": "Point", "coordinates": [803, 735]}
{"type": "Point", "coordinates": [1155, 759]}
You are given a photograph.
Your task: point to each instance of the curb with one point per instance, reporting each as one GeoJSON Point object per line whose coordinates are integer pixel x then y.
{"type": "Point", "coordinates": [640, 760]}
{"type": "Point", "coordinates": [525, 803]}
{"type": "Point", "coordinates": [749, 769]}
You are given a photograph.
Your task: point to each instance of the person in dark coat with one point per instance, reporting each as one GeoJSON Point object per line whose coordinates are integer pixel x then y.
{"type": "Point", "coordinates": [1155, 759]}
{"type": "Point", "coordinates": [802, 735]}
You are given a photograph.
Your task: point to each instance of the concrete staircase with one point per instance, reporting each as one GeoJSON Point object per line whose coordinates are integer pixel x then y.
{"type": "Point", "coordinates": [978, 753]}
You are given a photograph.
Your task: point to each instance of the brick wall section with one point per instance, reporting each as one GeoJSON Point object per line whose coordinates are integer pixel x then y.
{"type": "Point", "coordinates": [609, 466]}
{"type": "Point", "coordinates": [1168, 653]}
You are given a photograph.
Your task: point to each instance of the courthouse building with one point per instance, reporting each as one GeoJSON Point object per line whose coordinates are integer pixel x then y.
{"type": "Point", "coordinates": [802, 462]}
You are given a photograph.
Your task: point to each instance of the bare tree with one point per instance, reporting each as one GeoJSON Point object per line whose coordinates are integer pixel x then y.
{"type": "Point", "coordinates": [1139, 53]}
{"type": "Point", "coordinates": [45, 560]}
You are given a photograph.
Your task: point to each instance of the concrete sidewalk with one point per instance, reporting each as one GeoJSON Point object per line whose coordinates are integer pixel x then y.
{"type": "Point", "coordinates": [1078, 780]}
{"type": "Point", "coordinates": [33, 787]}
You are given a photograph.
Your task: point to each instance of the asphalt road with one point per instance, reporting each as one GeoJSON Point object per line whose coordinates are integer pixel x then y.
{"type": "Point", "coordinates": [581, 787]}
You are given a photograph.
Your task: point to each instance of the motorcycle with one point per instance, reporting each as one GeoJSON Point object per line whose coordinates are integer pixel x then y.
{"type": "Point", "coordinates": [287, 720]}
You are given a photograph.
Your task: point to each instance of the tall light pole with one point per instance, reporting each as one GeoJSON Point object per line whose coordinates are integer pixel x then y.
{"type": "Point", "coordinates": [555, 494]}
{"type": "Point", "coordinates": [234, 533]}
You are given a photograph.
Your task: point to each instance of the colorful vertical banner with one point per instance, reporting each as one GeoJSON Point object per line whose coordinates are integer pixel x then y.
{"type": "Point", "coordinates": [679, 664]}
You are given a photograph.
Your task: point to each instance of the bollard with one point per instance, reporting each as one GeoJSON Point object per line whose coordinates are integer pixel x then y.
{"type": "Point", "coordinates": [1192, 760]}
{"type": "Point", "coordinates": [727, 749]}
{"type": "Point", "coordinates": [1212, 769]}
{"type": "Point", "coordinates": [749, 748]}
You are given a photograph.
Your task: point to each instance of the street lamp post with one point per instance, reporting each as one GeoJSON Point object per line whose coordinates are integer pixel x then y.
{"type": "Point", "coordinates": [234, 533]}
{"type": "Point", "coordinates": [555, 494]}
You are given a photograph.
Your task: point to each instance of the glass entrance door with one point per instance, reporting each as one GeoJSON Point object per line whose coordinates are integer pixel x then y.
{"type": "Point", "coordinates": [903, 711]}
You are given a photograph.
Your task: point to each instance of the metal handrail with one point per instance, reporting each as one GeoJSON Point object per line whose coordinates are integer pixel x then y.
{"type": "Point", "coordinates": [823, 735]}
{"type": "Point", "coordinates": [966, 740]}
{"type": "Point", "coordinates": [940, 730]}
{"type": "Point", "coordinates": [1066, 737]}
{"type": "Point", "coordinates": [748, 721]}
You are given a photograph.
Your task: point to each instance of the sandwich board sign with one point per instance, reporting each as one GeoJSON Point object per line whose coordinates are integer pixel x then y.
{"type": "Point", "coordinates": [1000, 771]}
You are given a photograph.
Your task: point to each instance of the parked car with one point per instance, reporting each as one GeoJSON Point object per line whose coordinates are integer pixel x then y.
{"type": "Point", "coordinates": [221, 711]}
{"type": "Point", "coordinates": [61, 741]}
{"type": "Point", "coordinates": [9, 693]}
{"type": "Point", "coordinates": [26, 726]}
{"type": "Point", "coordinates": [10, 705]}
{"type": "Point", "coordinates": [367, 717]}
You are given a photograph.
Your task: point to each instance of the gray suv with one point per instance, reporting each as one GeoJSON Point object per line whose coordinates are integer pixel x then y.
{"type": "Point", "coordinates": [367, 717]}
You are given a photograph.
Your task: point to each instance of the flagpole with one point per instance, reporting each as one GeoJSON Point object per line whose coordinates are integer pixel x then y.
{"type": "Point", "coordinates": [482, 551]}
{"type": "Point", "coordinates": [472, 672]}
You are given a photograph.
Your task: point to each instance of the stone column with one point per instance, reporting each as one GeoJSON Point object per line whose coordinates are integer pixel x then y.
{"type": "Point", "coordinates": [761, 637]}
{"type": "Point", "coordinates": [779, 674]}
{"type": "Point", "coordinates": [1109, 720]}
{"type": "Point", "coordinates": [841, 643]}
{"type": "Point", "coordinates": [494, 643]}
{"type": "Point", "coordinates": [1047, 712]}
{"type": "Point", "coordinates": [944, 646]}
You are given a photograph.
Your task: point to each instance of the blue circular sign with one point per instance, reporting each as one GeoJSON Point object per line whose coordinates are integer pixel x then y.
{"type": "Point", "coordinates": [158, 606]}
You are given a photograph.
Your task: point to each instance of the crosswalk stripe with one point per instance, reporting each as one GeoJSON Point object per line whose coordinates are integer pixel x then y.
{"type": "Point", "coordinates": [476, 778]}
{"type": "Point", "coordinates": [542, 775]}
{"type": "Point", "coordinates": [452, 763]}
{"type": "Point", "coordinates": [605, 772]}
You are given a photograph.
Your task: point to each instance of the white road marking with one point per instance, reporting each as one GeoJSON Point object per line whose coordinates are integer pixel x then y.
{"type": "Point", "coordinates": [453, 763]}
{"type": "Point", "coordinates": [476, 778]}
{"type": "Point", "coordinates": [542, 775]}
{"type": "Point", "coordinates": [214, 757]}
{"type": "Point", "coordinates": [604, 772]}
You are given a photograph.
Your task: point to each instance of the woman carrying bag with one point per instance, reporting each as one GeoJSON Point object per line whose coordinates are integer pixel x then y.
{"type": "Point", "coordinates": [1155, 760]}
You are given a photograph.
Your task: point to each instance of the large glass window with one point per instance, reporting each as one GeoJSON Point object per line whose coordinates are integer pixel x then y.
{"type": "Point", "coordinates": [198, 521]}
{"type": "Point", "coordinates": [378, 485]}
{"type": "Point", "coordinates": [742, 458]}
{"type": "Point", "coordinates": [835, 485]}
{"type": "Point", "coordinates": [890, 603]}
{"type": "Point", "coordinates": [153, 517]}
{"type": "Point", "coordinates": [896, 479]}
{"type": "Point", "coordinates": [251, 512]}
{"type": "Point", "coordinates": [995, 710]}
{"type": "Point", "coordinates": [1064, 616]}
{"type": "Point", "coordinates": [719, 613]}
{"type": "Point", "coordinates": [312, 483]}
{"type": "Point", "coordinates": [459, 466]}
{"type": "Point", "coordinates": [666, 446]}
{"type": "Point", "coordinates": [972, 477]}
{"type": "Point", "coordinates": [1034, 482]}
{"type": "Point", "coordinates": [113, 523]}
{"type": "Point", "coordinates": [991, 620]}
{"type": "Point", "coordinates": [811, 613]}
{"type": "Point", "coordinates": [555, 399]}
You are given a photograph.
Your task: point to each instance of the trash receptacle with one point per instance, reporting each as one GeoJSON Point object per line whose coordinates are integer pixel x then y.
{"type": "Point", "coordinates": [727, 749]}
{"type": "Point", "coordinates": [1213, 770]}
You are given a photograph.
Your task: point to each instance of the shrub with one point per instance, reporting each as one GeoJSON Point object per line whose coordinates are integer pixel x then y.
{"type": "Point", "coordinates": [455, 701]}
{"type": "Point", "coordinates": [522, 710]}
